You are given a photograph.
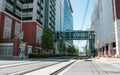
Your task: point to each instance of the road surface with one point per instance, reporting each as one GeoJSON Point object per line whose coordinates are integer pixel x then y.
{"type": "Point", "coordinates": [57, 67]}
{"type": "Point", "coordinates": [92, 68]}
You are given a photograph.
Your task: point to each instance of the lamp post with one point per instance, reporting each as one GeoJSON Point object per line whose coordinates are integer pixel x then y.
{"type": "Point", "coordinates": [97, 44]}
{"type": "Point", "coordinates": [21, 43]}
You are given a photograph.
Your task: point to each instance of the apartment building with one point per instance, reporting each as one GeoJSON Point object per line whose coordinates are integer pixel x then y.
{"type": "Point", "coordinates": [21, 21]}
{"type": "Point", "coordinates": [49, 19]}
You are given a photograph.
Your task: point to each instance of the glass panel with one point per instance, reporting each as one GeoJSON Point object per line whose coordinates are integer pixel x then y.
{"type": "Point", "coordinates": [17, 30]}
{"type": "Point", "coordinates": [7, 27]}
{"type": "Point", "coordinates": [6, 49]}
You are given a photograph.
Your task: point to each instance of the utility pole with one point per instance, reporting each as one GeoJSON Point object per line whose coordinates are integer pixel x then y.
{"type": "Point", "coordinates": [21, 44]}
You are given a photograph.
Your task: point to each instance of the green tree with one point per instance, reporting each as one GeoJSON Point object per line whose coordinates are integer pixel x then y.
{"type": "Point", "coordinates": [72, 50]}
{"type": "Point", "coordinates": [47, 40]}
{"type": "Point", "coordinates": [76, 51]}
{"type": "Point", "coordinates": [86, 52]}
{"type": "Point", "coordinates": [61, 46]}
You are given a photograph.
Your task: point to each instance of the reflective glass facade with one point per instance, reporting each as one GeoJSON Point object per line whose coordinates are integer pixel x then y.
{"type": "Point", "coordinates": [68, 18]}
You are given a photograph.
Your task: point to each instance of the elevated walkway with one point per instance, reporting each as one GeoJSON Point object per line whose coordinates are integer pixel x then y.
{"type": "Point", "coordinates": [75, 35]}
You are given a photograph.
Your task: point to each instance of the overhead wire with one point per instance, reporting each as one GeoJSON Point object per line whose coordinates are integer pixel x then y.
{"type": "Point", "coordinates": [84, 17]}
{"type": "Point", "coordinates": [61, 8]}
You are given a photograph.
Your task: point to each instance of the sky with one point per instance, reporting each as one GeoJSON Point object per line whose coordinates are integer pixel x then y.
{"type": "Point", "coordinates": [79, 7]}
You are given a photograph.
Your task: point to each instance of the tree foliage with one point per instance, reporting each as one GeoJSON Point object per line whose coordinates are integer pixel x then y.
{"type": "Point", "coordinates": [72, 50]}
{"type": "Point", "coordinates": [47, 40]}
{"type": "Point", "coordinates": [86, 52]}
{"type": "Point", "coordinates": [61, 46]}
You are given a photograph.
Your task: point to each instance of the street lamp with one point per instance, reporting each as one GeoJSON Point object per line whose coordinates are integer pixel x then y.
{"type": "Point", "coordinates": [97, 42]}
{"type": "Point", "coordinates": [21, 43]}
{"type": "Point", "coordinates": [97, 45]}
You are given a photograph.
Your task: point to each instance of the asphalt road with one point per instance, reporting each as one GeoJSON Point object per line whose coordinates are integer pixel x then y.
{"type": "Point", "coordinates": [92, 68]}
{"type": "Point", "coordinates": [80, 67]}
{"type": "Point", "coordinates": [10, 67]}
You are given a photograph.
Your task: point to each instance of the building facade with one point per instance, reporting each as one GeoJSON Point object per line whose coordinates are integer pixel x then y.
{"type": "Point", "coordinates": [59, 17]}
{"type": "Point", "coordinates": [59, 20]}
{"type": "Point", "coordinates": [21, 21]}
{"type": "Point", "coordinates": [116, 10]}
{"type": "Point", "coordinates": [49, 19]}
{"type": "Point", "coordinates": [63, 20]}
{"type": "Point", "coordinates": [103, 22]}
{"type": "Point", "coordinates": [68, 18]}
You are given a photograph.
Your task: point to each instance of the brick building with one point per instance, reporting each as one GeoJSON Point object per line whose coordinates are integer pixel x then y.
{"type": "Point", "coordinates": [21, 21]}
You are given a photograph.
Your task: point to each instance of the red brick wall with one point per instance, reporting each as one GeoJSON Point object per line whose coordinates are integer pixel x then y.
{"type": "Point", "coordinates": [2, 19]}
{"type": "Point", "coordinates": [13, 28]}
{"type": "Point", "coordinates": [29, 29]}
{"type": "Point", "coordinates": [1, 25]}
{"type": "Point", "coordinates": [16, 42]}
{"type": "Point", "coordinates": [116, 6]}
{"type": "Point", "coordinates": [29, 36]}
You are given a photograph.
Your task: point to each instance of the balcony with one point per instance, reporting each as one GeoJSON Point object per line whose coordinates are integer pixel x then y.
{"type": "Point", "coordinates": [27, 14]}
{"type": "Point", "coordinates": [26, 1]}
{"type": "Point", "coordinates": [30, 5]}
{"type": "Point", "coordinates": [18, 12]}
{"type": "Point", "coordinates": [40, 20]}
{"type": "Point", "coordinates": [9, 7]}
{"type": "Point", "coordinates": [38, 1]}
{"type": "Point", "coordinates": [38, 8]}
{"type": "Point", "coordinates": [19, 3]}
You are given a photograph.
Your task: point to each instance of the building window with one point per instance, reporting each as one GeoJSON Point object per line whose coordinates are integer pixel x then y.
{"type": "Point", "coordinates": [38, 35]}
{"type": "Point", "coordinates": [6, 49]}
{"type": "Point", "coordinates": [7, 28]}
{"type": "Point", "coordinates": [17, 30]}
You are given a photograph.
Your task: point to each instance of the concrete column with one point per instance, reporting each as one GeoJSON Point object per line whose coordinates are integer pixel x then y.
{"type": "Point", "coordinates": [102, 52]}
{"type": "Point", "coordinates": [34, 10]}
{"type": "Point", "coordinates": [117, 36]}
{"type": "Point", "coordinates": [56, 48]}
{"type": "Point", "coordinates": [99, 53]}
{"type": "Point", "coordinates": [109, 49]}
{"type": "Point", "coordinates": [105, 54]}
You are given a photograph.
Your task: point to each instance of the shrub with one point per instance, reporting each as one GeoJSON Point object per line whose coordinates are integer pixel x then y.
{"type": "Point", "coordinates": [40, 55]}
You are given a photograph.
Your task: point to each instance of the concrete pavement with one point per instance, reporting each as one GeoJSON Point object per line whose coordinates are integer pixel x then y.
{"type": "Point", "coordinates": [25, 66]}
{"type": "Point", "coordinates": [92, 68]}
{"type": "Point", "coordinates": [112, 61]}
{"type": "Point", "coordinates": [49, 70]}
{"type": "Point", "coordinates": [102, 66]}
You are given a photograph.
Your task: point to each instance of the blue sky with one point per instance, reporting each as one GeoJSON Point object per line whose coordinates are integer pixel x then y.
{"type": "Point", "coordinates": [79, 7]}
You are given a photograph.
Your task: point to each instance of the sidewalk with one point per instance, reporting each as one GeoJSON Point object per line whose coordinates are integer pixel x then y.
{"type": "Point", "coordinates": [111, 61]}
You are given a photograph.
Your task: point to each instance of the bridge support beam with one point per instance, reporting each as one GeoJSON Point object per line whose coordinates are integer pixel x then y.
{"type": "Point", "coordinates": [92, 51]}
